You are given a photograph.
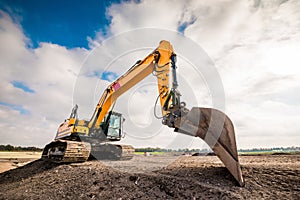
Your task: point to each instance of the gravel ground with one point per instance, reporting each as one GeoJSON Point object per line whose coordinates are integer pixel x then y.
{"type": "Point", "coordinates": [155, 177]}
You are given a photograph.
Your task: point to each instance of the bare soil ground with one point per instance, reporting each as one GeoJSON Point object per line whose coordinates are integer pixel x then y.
{"type": "Point", "coordinates": [155, 177]}
{"type": "Point", "coordinates": [11, 160]}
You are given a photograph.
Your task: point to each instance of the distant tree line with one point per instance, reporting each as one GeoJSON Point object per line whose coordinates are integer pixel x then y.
{"type": "Point", "coordinates": [271, 149]}
{"type": "Point", "coordinates": [9, 147]}
{"type": "Point", "coordinates": [157, 149]}
{"type": "Point", "coordinates": [151, 149]}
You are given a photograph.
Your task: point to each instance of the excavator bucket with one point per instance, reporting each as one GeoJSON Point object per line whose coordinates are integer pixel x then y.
{"type": "Point", "coordinates": [216, 129]}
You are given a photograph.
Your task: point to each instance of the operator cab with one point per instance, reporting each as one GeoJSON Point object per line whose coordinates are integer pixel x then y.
{"type": "Point", "coordinates": [115, 127]}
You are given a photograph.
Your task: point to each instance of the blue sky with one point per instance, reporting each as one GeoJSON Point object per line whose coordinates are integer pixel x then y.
{"type": "Point", "coordinates": [22, 86]}
{"type": "Point", "coordinates": [67, 23]}
{"type": "Point", "coordinates": [254, 45]}
{"type": "Point", "coordinates": [18, 108]}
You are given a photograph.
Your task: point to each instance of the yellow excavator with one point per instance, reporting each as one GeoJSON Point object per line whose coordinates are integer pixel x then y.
{"type": "Point", "coordinates": [77, 140]}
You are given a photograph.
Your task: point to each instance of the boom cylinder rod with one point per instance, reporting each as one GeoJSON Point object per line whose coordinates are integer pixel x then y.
{"type": "Point", "coordinates": [174, 75]}
{"type": "Point", "coordinates": [176, 94]}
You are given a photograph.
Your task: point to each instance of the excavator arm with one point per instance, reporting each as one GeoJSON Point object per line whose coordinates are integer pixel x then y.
{"type": "Point", "coordinates": [158, 63]}
{"type": "Point", "coordinates": [211, 125]}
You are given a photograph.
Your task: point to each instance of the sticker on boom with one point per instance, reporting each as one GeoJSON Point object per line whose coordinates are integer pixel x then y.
{"type": "Point", "coordinates": [116, 86]}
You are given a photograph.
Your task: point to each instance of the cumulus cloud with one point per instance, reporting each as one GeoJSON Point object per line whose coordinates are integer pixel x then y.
{"type": "Point", "coordinates": [254, 45]}
{"type": "Point", "coordinates": [48, 71]}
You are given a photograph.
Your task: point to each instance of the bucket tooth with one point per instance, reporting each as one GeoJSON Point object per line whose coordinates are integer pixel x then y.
{"type": "Point", "coordinates": [217, 130]}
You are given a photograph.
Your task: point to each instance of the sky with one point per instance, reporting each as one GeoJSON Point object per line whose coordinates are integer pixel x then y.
{"type": "Point", "coordinates": [54, 54]}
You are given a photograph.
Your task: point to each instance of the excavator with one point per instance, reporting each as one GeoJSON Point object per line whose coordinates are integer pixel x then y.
{"type": "Point", "coordinates": [77, 140]}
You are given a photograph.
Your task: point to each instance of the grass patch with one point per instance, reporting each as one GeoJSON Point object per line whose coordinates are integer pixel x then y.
{"type": "Point", "coordinates": [254, 153]}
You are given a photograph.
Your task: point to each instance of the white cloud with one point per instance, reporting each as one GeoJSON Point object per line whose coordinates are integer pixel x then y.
{"type": "Point", "coordinates": [127, 16]}
{"type": "Point", "coordinates": [254, 45]}
{"type": "Point", "coordinates": [50, 70]}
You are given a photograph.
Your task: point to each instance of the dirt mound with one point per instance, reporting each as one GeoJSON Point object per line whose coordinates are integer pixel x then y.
{"type": "Point", "coordinates": [187, 178]}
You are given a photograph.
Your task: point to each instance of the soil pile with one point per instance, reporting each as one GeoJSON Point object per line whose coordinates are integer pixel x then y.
{"type": "Point", "coordinates": [186, 178]}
